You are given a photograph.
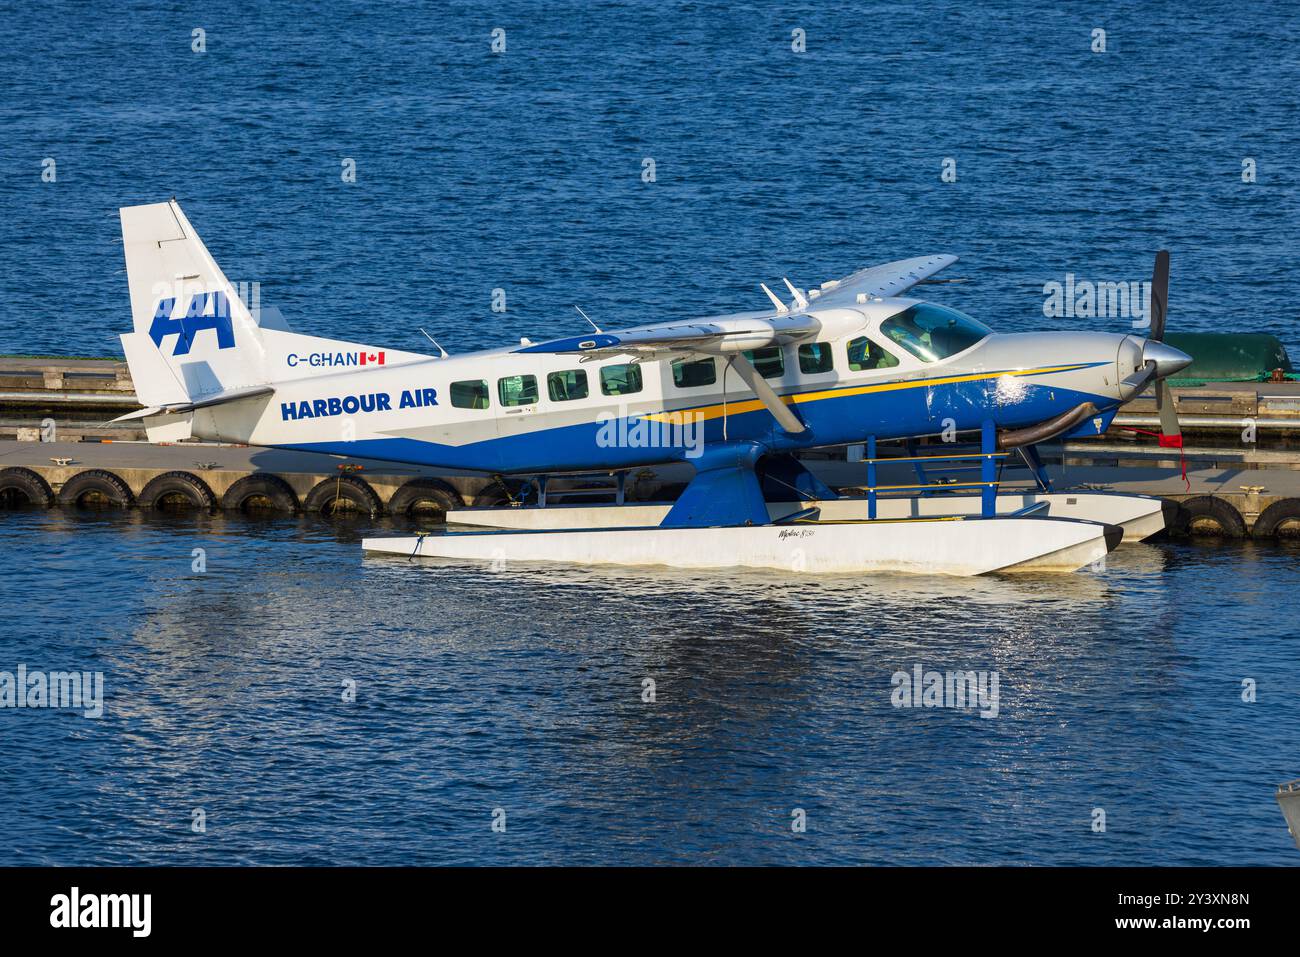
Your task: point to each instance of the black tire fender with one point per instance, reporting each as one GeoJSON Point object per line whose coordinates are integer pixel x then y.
{"type": "Point", "coordinates": [429, 497]}
{"type": "Point", "coordinates": [107, 488]}
{"type": "Point", "coordinates": [1203, 514]}
{"type": "Point", "coordinates": [498, 492]}
{"type": "Point", "coordinates": [1282, 518]}
{"type": "Point", "coordinates": [260, 491]}
{"type": "Point", "coordinates": [20, 486]}
{"type": "Point", "coordinates": [173, 488]}
{"type": "Point", "coordinates": [353, 492]}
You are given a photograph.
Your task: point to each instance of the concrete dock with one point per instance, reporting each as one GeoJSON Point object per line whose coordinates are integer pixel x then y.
{"type": "Point", "coordinates": [220, 469]}
{"type": "Point", "coordinates": [79, 395]}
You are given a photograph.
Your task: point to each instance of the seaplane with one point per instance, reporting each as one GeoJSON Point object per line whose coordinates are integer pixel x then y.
{"type": "Point", "coordinates": [737, 397]}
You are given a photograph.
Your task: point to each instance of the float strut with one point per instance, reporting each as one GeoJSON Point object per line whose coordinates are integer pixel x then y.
{"type": "Point", "coordinates": [871, 476]}
{"type": "Point", "coordinates": [988, 469]}
{"type": "Point", "coordinates": [1035, 463]}
{"type": "Point", "coordinates": [782, 474]}
{"type": "Point", "coordinates": [724, 491]}
{"type": "Point", "coordinates": [917, 466]}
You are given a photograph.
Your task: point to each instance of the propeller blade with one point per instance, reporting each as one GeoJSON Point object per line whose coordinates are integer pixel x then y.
{"type": "Point", "coordinates": [1159, 295]}
{"type": "Point", "coordinates": [1138, 381]}
{"type": "Point", "coordinates": [1171, 436]}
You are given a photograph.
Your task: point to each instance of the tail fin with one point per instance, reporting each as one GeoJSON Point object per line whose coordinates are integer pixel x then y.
{"type": "Point", "coordinates": [196, 344]}
{"type": "Point", "coordinates": [194, 338]}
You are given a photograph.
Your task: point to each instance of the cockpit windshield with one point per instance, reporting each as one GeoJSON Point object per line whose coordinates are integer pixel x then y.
{"type": "Point", "coordinates": [932, 332]}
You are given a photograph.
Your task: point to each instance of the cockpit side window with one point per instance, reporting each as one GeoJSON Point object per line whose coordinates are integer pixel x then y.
{"type": "Point", "coordinates": [865, 354]}
{"type": "Point", "coordinates": [932, 333]}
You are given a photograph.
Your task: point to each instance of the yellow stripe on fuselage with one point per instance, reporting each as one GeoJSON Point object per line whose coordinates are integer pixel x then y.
{"type": "Point", "coordinates": [753, 405]}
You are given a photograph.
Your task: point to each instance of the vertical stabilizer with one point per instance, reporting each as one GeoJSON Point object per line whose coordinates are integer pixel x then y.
{"type": "Point", "coordinates": [193, 335]}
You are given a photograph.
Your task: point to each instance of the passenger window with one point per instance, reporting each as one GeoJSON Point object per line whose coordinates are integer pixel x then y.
{"type": "Point", "coordinates": [769, 361]}
{"type": "Point", "coordinates": [865, 354]}
{"type": "Point", "coordinates": [567, 386]}
{"type": "Point", "coordinates": [517, 390]}
{"type": "Point", "coordinates": [471, 394]}
{"type": "Point", "coordinates": [815, 357]}
{"type": "Point", "coordinates": [623, 379]}
{"type": "Point", "coordinates": [687, 375]}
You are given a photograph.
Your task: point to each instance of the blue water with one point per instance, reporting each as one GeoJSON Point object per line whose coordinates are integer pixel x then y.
{"type": "Point", "coordinates": [522, 171]}
{"type": "Point", "coordinates": [521, 689]}
{"type": "Point", "coordinates": [1120, 689]}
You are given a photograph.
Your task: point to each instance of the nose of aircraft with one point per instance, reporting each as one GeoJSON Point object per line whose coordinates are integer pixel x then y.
{"type": "Point", "coordinates": [1168, 360]}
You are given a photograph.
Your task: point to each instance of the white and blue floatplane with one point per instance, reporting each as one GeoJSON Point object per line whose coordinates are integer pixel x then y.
{"type": "Point", "coordinates": [737, 397]}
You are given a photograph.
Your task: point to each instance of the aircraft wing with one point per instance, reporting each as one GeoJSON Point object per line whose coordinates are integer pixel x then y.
{"type": "Point", "coordinates": [891, 279]}
{"type": "Point", "coordinates": [752, 330]}
{"type": "Point", "coordinates": [718, 334]}
{"type": "Point", "coordinates": [731, 335]}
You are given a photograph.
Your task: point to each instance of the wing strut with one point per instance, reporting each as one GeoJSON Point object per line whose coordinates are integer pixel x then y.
{"type": "Point", "coordinates": [780, 411]}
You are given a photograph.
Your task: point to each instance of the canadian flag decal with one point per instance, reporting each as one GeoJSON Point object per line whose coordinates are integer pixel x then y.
{"type": "Point", "coordinates": [372, 358]}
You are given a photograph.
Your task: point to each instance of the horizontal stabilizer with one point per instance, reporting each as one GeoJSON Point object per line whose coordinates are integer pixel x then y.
{"type": "Point", "coordinates": [221, 398]}
{"type": "Point", "coordinates": [216, 398]}
{"type": "Point", "coordinates": [148, 410]}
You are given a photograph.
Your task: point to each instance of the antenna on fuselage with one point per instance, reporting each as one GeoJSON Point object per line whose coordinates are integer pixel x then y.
{"type": "Point", "coordinates": [799, 299]}
{"type": "Point", "coordinates": [435, 342]}
{"type": "Point", "coordinates": [781, 308]}
{"type": "Point", "coordinates": [588, 318]}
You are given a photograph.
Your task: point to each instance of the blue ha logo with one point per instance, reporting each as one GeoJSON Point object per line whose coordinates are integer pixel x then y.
{"type": "Point", "coordinates": [195, 320]}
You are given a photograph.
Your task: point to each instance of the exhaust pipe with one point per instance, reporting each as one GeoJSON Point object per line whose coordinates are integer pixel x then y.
{"type": "Point", "coordinates": [1043, 431]}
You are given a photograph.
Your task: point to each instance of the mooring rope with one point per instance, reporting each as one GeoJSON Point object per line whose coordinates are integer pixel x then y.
{"type": "Point", "coordinates": [418, 542]}
{"type": "Point", "coordinates": [338, 486]}
{"type": "Point", "coordinates": [1182, 456]}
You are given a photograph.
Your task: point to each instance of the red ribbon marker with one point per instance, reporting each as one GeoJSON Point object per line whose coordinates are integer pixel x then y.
{"type": "Point", "coordinates": [1166, 442]}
